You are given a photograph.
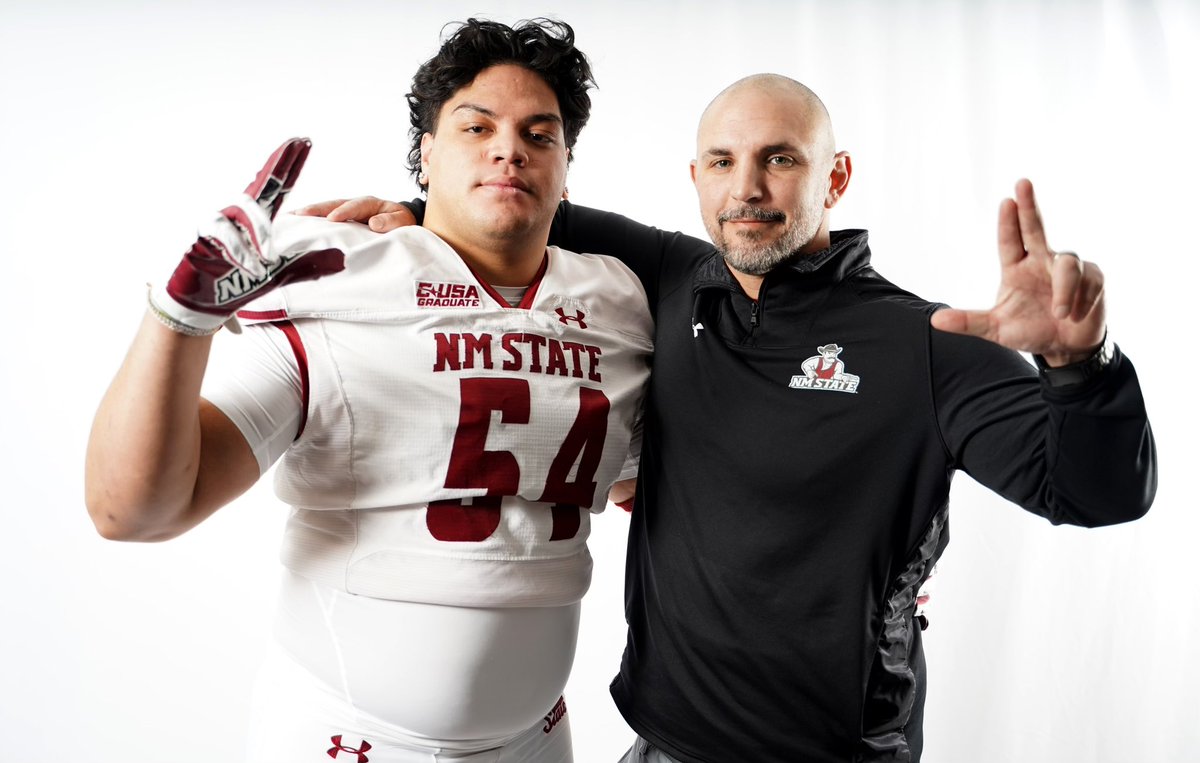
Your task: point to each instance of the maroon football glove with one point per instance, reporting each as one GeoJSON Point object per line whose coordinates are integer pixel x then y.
{"type": "Point", "coordinates": [231, 262]}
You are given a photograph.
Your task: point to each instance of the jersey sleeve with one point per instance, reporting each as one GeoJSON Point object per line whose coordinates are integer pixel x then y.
{"type": "Point", "coordinates": [255, 380]}
{"type": "Point", "coordinates": [1081, 455]}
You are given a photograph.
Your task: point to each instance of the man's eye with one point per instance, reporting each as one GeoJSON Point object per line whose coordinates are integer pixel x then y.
{"type": "Point", "coordinates": [473, 129]}
{"type": "Point", "coordinates": [722, 164]}
{"type": "Point", "coordinates": [781, 161]}
{"type": "Point", "coordinates": [540, 137]}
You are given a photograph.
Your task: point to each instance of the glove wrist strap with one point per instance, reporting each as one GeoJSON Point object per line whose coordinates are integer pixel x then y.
{"type": "Point", "coordinates": [180, 319]}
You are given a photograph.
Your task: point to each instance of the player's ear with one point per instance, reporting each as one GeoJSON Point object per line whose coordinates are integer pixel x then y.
{"type": "Point", "coordinates": [692, 169]}
{"type": "Point", "coordinates": [839, 178]}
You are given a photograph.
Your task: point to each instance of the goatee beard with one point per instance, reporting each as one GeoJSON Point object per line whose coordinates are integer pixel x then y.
{"type": "Point", "coordinates": [745, 254]}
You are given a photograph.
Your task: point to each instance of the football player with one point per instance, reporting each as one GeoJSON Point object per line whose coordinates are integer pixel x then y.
{"type": "Point", "coordinates": [444, 407]}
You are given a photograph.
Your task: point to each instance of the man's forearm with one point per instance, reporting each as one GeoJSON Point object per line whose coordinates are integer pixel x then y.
{"type": "Point", "coordinates": [1105, 466]}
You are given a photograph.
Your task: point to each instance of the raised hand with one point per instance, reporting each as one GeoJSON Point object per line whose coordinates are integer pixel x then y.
{"type": "Point", "coordinates": [1050, 303]}
{"type": "Point", "coordinates": [232, 262]}
{"type": "Point", "coordinates": [379, 215]}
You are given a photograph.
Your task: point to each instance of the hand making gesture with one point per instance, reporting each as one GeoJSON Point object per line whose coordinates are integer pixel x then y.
{"type": "Point", "coordinates": [232, 261]}
{"type": "Point", "coordinates": [1050, 303]}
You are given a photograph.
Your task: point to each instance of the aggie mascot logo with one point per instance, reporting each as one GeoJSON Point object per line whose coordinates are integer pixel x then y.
{"type": "Point", "coordinates": [825, 371]}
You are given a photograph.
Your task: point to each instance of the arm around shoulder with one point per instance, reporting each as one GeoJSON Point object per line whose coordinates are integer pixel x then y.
{"type": "Point", "coordinates": [643, 248]}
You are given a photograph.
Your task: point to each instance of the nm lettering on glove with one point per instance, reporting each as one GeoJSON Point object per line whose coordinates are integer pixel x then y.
{"type": "Point", "coordinates": [232, 261]}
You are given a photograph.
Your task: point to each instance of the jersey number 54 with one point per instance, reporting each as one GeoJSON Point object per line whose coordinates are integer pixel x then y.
{"type": "Point", "coordinates": [473, 467]}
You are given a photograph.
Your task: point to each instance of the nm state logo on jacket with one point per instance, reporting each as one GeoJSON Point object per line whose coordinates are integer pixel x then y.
{"type": "Point", "coordinates": [825, 371]}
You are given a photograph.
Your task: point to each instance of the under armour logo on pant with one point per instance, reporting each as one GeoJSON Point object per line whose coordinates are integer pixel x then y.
{"type": "Point", "coordinates": [338, 748]}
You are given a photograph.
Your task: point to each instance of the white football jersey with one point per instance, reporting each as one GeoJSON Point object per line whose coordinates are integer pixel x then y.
{"type": "Point", "coordinates": [452, 446]}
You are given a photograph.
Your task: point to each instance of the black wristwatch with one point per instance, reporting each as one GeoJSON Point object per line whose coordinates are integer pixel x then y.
{"type": "Point", "coordinates": [1077, 373]}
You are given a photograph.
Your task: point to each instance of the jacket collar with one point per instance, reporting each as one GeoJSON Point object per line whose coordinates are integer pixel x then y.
{"type": "Point", "coordinates": [847, 252]}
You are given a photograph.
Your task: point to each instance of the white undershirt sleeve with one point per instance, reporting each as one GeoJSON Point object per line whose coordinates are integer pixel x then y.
{"type": "Point", "coordinates": [254, 379]}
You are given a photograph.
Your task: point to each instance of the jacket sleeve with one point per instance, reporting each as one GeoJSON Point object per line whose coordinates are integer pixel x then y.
{"type": "Point", "coordinates": [644, 249]}
{"type": "Point", "coordinates": [1082, 454]}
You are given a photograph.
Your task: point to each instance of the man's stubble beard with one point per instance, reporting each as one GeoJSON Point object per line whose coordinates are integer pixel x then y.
{"type": "Point", "coordinates": [746, 254]}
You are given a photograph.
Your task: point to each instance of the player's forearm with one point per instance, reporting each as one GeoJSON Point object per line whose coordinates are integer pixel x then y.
{"type": "Point", "coordinates": [143, 455]}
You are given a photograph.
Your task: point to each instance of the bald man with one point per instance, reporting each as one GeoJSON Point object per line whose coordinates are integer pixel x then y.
{"type": "Point", "coordinates": [784, 522]}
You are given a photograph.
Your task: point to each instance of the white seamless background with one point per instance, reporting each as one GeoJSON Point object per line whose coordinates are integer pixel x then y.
{"type": "Point", "coordinates": [124, 123]}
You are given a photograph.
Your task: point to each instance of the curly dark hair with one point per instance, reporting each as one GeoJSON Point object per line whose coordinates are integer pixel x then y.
{"type": "Point", "coordinates": [544, 46]}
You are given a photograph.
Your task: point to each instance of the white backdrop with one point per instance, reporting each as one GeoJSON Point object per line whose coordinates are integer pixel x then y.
{"type": "Point", "coordinates": [122, 123]}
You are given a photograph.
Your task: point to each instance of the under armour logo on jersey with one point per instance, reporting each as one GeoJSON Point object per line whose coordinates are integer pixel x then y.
{"type": "Point", "coordinates": [563, 318]}
{"type": "Point", "coordinates": [696, 329]}
{"type": "Point", "coordinates": [338, 748]}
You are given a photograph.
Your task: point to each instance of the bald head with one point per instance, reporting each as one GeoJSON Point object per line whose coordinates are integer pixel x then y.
{"type": "Point", "coordinates": [796, 97]}
{"type": "Point", "coordinates": [767, 174]}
